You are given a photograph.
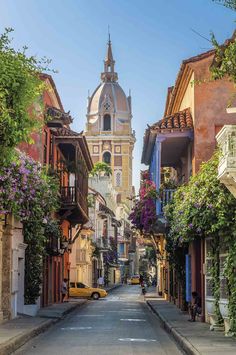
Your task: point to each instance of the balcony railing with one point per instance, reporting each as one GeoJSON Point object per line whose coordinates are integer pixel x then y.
{"type": "Point", "coordinates": [68, 195]}
{"type": "Point", "coordinates": [226, 139]}
{"type": "Point", "coordinates": [166, 197]}
{"type": "Point", "coordinates": [71, 195]}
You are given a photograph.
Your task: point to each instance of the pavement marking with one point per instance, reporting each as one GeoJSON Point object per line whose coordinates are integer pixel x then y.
{"type": "Point", "coordinates": [76, 328]}
{"type": "Point", "coordinates": [132, 309]}
{"type": "Point", "coordinates": [90, 315]}
{"type": "Point", "coordinates": [138, 340]}
{"type": "Point", "coordinates": [132, 320]}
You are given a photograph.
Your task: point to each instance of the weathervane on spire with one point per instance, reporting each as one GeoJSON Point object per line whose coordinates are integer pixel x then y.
{"type": "Point", "coordinates": [109, 35]}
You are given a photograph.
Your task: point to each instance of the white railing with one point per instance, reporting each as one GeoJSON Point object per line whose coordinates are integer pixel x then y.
{"type": "Point", "coordinates": [226, 139]}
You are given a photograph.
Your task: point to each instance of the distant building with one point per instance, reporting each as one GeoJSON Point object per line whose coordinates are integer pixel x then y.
{"type": "Point", "coordinates": [109, 131]}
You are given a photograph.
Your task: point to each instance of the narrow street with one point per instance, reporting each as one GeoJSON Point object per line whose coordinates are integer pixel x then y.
{"type": "Point", "coordinates": [119, 324]}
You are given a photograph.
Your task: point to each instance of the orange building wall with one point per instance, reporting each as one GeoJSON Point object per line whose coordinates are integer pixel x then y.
{"type": "Point", "coordinates": [211, 99]}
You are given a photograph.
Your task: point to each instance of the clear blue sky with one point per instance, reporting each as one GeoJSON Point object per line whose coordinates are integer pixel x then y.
{"type": "Point", "coordinates": [150, 39]}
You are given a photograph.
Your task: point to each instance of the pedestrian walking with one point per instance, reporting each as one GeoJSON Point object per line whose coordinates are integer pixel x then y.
{"type": "Point", "coordinates": [100, 281]}
{"type": "Point", "coordinates": [64, 289]}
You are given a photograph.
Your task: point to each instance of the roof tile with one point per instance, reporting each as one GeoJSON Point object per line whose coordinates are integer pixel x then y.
{"type": "Point", "coordinates": [178, 121]}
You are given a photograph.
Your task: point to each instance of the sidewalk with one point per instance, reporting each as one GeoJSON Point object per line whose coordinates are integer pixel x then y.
{"type": "Point", "coordinates": [193, 338]}
{"type": "Point", "coordinates": [16, 332]}
{"type": "Point", "coordinates": [112, 287]}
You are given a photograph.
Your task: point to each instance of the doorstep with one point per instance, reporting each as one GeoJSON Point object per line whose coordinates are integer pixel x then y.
{"type": "Point", "coordinates": [193, 337]}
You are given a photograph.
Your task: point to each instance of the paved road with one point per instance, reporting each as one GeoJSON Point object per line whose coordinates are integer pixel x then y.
{"type": "Point", "coordinates": [121, 324]}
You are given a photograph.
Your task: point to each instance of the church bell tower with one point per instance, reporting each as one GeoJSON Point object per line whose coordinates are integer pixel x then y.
{"type": "Point", "coordinates": [108, 131]}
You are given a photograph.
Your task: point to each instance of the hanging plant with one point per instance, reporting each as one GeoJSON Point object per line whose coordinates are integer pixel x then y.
{"type": "Point", "coordinates": [143, 215]}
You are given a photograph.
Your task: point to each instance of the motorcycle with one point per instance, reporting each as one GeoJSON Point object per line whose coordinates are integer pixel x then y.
{"type": "Point", "coordinates": [144, 291]}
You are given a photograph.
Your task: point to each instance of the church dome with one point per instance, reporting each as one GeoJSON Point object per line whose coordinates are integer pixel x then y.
{"type": "Point", "coordinates": [108, 95]}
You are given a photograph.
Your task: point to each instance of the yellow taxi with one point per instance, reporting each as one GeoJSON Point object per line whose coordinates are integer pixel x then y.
{"type": "Point", "coordinates": [78, 289]}
{"type": "Point", "coordinates": [134, 280]}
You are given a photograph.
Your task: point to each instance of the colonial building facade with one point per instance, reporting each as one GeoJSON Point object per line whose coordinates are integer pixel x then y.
{"type": "Point", "coordinates": [109, 133]}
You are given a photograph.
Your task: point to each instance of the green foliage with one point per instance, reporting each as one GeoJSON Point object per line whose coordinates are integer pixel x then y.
{"type": "Point", "coordinates": [91, 201]}
{"type": "Point", "coordinates": [101, 168]}
{"type": "Point", "coordinates": [204, 207]}
{"type": "Point", "coordinates": [225, 60]}
{"type": "Point", "coordinates": [150, 254]}
{"type": "Point", "coordinates": [20, 95]}
{"type": "Point", "coordinates": [230, 4]}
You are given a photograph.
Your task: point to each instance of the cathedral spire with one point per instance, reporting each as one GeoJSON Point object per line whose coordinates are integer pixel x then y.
{"type": "Point", "coordinates": [109, 64]}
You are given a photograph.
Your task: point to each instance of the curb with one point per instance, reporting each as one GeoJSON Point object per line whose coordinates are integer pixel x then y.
{"type": "Point", "coordinates": [18, 341]}
{"type": "Point", "coordinates": [113, 287]}
{"type": "Point", "coordinates": [71, 309]}
{"type": "Point", "coordinates": [188, 348]}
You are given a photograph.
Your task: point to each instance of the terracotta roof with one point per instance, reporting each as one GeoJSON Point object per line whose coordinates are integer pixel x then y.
{"type": "Point", "coordinates": [65, 132]}
{"type": "Point", "coordinates": [178, 121]}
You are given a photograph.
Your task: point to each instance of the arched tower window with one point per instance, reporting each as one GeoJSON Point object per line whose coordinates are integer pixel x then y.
{"type": "Point", "coordinates": [107, 158]}
{"type": "Point", "coordinates": [107, 122]}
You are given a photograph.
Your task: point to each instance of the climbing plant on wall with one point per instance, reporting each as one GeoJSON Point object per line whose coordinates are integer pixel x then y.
{"type": "Point", "coordinates": [27, 192]}
{"type": "Point", "coordinates": [205, 208]}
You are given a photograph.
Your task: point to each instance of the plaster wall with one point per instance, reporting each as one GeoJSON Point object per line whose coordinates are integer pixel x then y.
{"type": "Point", "coordinates": [211, 99]}
{"type": "Point", "coordinates": [17, 270]}
{"type": "Point", "coordinates": [188, 99]}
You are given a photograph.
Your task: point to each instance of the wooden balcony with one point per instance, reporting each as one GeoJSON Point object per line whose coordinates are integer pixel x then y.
{"type": "Point", "coordinates": [72, 199]}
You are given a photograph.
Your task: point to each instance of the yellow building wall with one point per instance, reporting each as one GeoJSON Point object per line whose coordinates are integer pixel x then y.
{"type": "Point", "coordinates": [188, 98]}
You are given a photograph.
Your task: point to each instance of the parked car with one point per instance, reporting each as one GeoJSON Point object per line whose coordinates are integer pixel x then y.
{"type": "Point", "coordinates": [78, 289]}
{"type": "Point", "coordinates": [134, 280]}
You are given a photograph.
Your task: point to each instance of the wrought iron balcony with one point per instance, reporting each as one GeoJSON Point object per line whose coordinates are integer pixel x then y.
{"type": "Point", "coordinates": [226, 139]}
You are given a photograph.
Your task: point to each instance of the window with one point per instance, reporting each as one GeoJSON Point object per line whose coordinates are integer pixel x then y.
{"type": "Point", "coordinates": [80, 285]}
{"type": "Point", "coordinates": [107, 123]}
{"type": "Point", "coordinates": [107, 158]}
{"type": "Point", "coordinates": [118, 179]}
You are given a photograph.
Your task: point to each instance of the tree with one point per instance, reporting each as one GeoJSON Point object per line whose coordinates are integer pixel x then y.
{"type": "Point", "coordinates": [20, 95]}
{"type": "Point", "coordinates": [231, 4]}
{"type": "Point", "coordinates": [224, 63]}
{"type": "Point", "coordinates": [101, 167]}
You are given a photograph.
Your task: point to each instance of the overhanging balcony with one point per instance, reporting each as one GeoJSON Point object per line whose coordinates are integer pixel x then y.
{"type": "Point", "coordinates": [166, 196]}
{"type": "Point", "coordinates": [73, 200]}
{"type": "Point", "coordinates": [226, 139]}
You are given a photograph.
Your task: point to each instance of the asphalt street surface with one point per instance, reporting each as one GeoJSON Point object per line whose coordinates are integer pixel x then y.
{"type": "Point", "coordinates": [121, 324]}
